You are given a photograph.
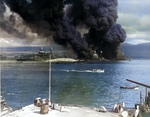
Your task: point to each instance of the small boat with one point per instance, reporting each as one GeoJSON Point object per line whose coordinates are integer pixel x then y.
{"type": "Point", "coordinates": [98, 70]}
{"type": "Point", "coordinates": [130, 87]}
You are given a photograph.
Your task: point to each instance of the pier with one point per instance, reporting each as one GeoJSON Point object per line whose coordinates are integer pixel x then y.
{"type": "Point", "coordinates": [68, 111]}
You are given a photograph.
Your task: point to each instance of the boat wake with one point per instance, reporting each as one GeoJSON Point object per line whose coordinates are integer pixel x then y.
{"type": "Point", "coordinates": [89, 71]}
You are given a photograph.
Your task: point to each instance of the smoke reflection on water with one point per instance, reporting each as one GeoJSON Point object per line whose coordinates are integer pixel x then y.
{"type": "Point", "coordinates": [24, 82]}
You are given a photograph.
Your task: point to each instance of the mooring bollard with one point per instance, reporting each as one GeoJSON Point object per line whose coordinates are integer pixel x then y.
{"type": "Point", "coordinates": [44, 109]}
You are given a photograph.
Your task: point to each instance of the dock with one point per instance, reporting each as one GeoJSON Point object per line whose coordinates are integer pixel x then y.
{"type": "Point", "coordinates": [68, 111]}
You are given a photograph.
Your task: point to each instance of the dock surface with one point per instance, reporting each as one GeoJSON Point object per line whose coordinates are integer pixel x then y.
{"type": "Point", "coordinates": [68, 111]}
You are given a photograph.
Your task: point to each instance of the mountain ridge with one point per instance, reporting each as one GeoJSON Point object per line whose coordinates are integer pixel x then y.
{"type": "Point", "coordinates": [140, 51]}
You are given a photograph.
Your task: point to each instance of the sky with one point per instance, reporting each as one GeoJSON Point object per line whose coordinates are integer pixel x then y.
{"type": "Point", "coordinates": [133, 15]}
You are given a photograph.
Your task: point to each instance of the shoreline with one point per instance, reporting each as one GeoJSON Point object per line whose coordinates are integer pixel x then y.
{"type": "Point", "coordinates": [52, 60]}
{"type": "Point", "coordinates": [57, 61]}
{"type": "Point", "coordinates": [63, 60]}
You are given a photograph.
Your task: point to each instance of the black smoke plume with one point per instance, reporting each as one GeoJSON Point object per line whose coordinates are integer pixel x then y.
{"type": "Point", "coordinates": [68, 34]}
{"type": "Point", "coordinates": [115, 34]}
{"type": "Point", "coordinates": [62, 18]}
{"type": "Point", "coordinates": [98, 14]}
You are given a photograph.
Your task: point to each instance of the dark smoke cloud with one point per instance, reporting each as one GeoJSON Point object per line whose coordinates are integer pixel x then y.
{"type": "Point", "coordinates": [68, 34]}
{"type": "Point", "coordinates": [115, 34]}
{"type": "Point", "coordinates": [46, 18]}
{"type": "Point", "coordinates": [2, 8]}
{"type": "Point", "coordinates": [98, 14]}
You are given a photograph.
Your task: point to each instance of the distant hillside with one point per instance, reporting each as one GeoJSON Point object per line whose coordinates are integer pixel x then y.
{"type": "Point", "coordinates": [140, 51]}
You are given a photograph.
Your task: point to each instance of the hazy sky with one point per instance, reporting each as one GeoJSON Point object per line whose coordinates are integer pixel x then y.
{"type": "Point", "coordinates": [134, 16]}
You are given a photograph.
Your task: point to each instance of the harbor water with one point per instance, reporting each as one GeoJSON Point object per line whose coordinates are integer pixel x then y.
{"type": "Point", "coordinates": [74, 83]}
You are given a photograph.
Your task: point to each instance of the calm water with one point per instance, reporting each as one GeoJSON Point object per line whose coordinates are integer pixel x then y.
{"type": "Point", "coordinates": [73, 83]}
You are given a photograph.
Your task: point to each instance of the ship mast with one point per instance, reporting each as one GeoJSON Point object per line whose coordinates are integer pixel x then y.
{"type": "Point", "coordinates": [50, 55]}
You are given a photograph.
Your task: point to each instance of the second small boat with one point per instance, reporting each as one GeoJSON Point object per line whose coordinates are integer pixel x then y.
{"type": "Point", "coordinates": [98, 70]}
{"type": "Point", "coordinates": [130, 87]}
